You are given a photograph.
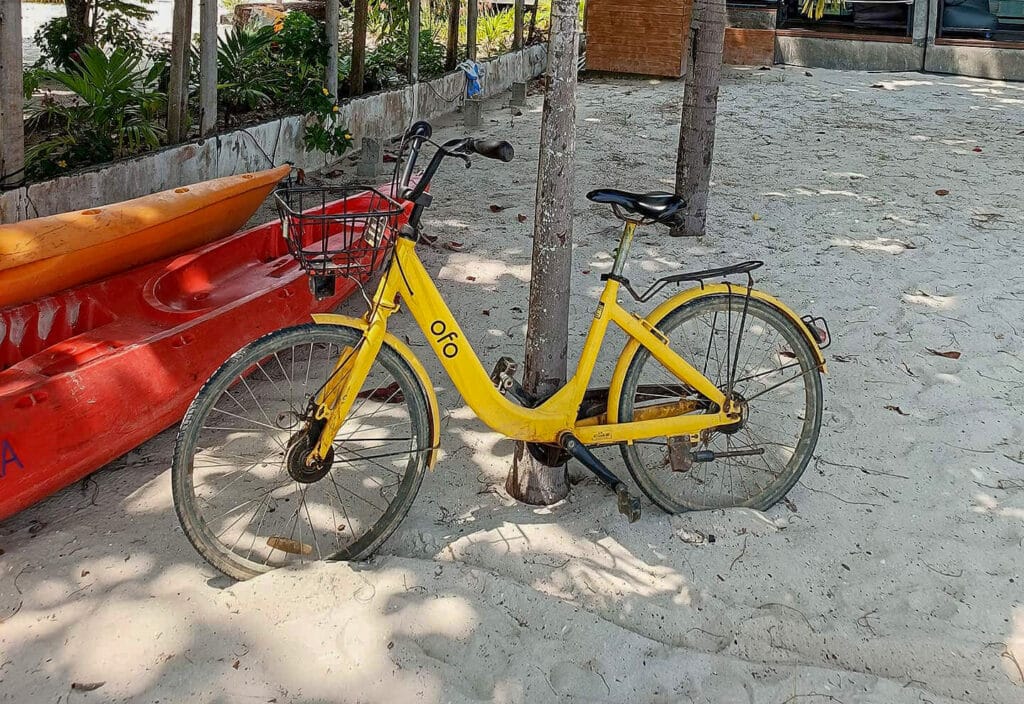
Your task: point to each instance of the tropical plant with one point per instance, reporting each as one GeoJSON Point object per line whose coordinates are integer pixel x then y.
{"type": "Point", "coordinates": [298, 37]}
{"type": "Point", "coordinates": [388, 18]}
{"type": "Point", "coordinates": [387, 66]}
{"type": "Point", "coordinates": [244, 79]}
{"type": "Point", "coordinates": [114, 111]}
{"type": "Point", "coordinates": [323, 131]}
{"type": "Point", "coordinates": [494, 32]}
{"type": "Point", "coordinates": [31, 80]}
{"type": "Point", "coordinates": [815, 9]}
{"type": "Point", "coordinates": [106, 23]}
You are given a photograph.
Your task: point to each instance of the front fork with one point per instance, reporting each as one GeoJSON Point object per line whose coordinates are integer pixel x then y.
{"type": "Point", "coordinates": [334, 401]}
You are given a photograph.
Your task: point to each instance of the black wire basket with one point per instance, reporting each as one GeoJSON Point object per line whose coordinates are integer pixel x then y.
{"type": "Point", "coordinates": [338, 231]}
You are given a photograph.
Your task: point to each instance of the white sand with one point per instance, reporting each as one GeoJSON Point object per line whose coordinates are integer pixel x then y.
{"type": "Point", "coordinates": [897, 579]}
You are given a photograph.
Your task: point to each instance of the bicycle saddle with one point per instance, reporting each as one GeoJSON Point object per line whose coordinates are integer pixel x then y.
{"type": "Point", "coordinates": [664, 208]}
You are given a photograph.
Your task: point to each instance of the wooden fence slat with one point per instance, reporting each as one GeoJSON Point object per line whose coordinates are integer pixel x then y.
{"type": "Point", "coordinates": [517, 31]}
{"type": "Point", "coordinates": [207, 67]}
{"type": "Point", "coordinates": [332, 20]}
{"type": "Point", "coordinates": [414, 41]}
{"type": "Point", "coordinates": [472, 13]}
{"type": "Point", "coordinates": [177, 89]}
{"type": "Point", "coordinates": [12, 125]}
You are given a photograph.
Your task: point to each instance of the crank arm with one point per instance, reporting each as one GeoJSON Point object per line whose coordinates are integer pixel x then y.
{"type": "Point", "coordinates": [628, 505]}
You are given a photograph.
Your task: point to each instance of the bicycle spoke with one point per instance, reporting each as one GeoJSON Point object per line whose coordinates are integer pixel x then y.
{"type": "Point", "coordinates": [754, 340]}
{"type": "Point", "coordinates": [253, 514]}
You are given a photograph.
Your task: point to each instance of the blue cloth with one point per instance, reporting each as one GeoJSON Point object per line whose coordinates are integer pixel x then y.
{"type": "Point", "coordinates": [472, 71]}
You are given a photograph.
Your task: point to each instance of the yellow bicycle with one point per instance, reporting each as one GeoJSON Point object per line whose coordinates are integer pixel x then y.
{"type": "Point", "coordinates": [311, 442]}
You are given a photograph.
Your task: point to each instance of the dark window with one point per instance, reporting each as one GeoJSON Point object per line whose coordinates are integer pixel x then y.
{"type": "Point", "coordinates": [892, 18]}
{"type": "Point", "coordinates": [998, 20]}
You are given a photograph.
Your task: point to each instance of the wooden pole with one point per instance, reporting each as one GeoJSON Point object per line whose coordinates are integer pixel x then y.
{"type": "Point", "coordinates": [12, 102]}
{"type": "Point", "coordinates": [177, 89]}
{"type": "Point", "coordinates": [700, 108]}
{"type": "Point", "coordinates": [414, 41]}
{"type": "Point", "coordinates": [532, 36]}
{"type": "Point", "coordinates": [451, 57]}
{"type": "Point", "coordinates": [359, 19]}
{"type": "Point", "coordinates": [547, 331]}
{"type": "Point", "coordinates": [207, 67]}
{"type": "Point", "coordinates": [517, 31]}
{"type": "Point", "coordinates": [333, 19]}
{"type": "Point", "coordinates": [472, 12]}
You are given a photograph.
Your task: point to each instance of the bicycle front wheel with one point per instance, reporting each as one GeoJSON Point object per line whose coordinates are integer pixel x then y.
{"type": "Point", "coordinates": [757, 355]}
{"type": "Point", "coordinates": [244, 496]}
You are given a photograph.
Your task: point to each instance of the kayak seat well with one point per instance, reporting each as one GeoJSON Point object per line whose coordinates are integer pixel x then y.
{"type": "Point", "coordinates": [218, 275]}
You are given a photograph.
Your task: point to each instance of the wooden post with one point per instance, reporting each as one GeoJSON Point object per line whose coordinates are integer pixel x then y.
{"type": "Point", "coordinates": [12, 102]}
{"type": "Point", "coordinates": [472, 12]}
{"type": "Point", "coordinates": [332, 20]}
{"type": "Point", "coordinates": [532, 35]}
{"type": "Point", "coordinates": [517, 31]}
{"type": "Point", "coordinates": [177, 89]}
{"type": "Point", "coordinates": [207, 67]}
{"type": "Point", "coordinates": [359, 17]}
{"type": "Point", "coordinates": [414, 41]}
{"type": "Point", "coordinates": [700, 108]}
{"type": "Point", "coordinates": [451, 57]}
{"type": "Point", "coordinates": [547, 332]}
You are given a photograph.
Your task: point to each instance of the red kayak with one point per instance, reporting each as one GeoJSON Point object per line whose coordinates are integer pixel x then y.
{"type": "Point", "coordinates": [91, 372]}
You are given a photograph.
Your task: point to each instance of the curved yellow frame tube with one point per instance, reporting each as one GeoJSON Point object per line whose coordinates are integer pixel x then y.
{"type": "Point", "coordinates": [408, 281]}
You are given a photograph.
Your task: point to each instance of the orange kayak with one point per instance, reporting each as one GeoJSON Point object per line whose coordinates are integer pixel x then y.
{"type": "Point", "coordinates": [45, 255]}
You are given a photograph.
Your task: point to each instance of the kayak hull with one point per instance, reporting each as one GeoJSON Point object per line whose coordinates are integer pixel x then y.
{"type": "Point", "coordinates": [41, 256]}
{"type": "Point", "coordinates": [90, 373]}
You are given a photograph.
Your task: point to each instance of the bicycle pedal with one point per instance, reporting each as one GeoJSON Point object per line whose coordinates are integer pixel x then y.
{"type": "Point", "coordinates": [629, 505]}
{"type": "Point", "coordinates": [503, 377]}
{"type": "Point", "coordinates": [504, 371]}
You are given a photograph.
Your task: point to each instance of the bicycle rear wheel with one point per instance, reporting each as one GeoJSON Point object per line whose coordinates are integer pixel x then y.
{"type": "Point", "coordinates": [246, 499]}
{"type": "Point", "coordinates": [764, 360]}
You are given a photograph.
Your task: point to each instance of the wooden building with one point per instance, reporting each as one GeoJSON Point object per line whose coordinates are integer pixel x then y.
{"type": "Point", "coordinates": [649, 37]}
{"type": "Point", "coordinates": [637, 36]}
{"type": "Point", "coordinates": [971, 37]}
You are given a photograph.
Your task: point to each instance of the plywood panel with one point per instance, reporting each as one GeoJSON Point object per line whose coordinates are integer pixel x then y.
{"type": "Point", "coordinates": [749, 47]}
{"type": "Point", "coordinates": [645, 37]}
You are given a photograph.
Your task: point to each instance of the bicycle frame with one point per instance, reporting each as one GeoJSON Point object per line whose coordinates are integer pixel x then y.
{"type": "Point", "coordinates": [407, 280]}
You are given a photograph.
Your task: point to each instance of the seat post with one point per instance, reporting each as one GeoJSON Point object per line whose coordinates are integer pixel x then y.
{"type": "Point", "coordinates": [626, 241]}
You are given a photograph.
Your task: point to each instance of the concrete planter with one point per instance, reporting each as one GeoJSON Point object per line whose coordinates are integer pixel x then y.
{"type": "Point", "coordinates": [379, 116]}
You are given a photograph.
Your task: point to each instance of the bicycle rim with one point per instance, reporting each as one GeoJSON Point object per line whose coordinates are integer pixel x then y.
{"type": "Point", "coordinates": [244, 495]}
{"type": "Point", "coordinates": [754, 352]}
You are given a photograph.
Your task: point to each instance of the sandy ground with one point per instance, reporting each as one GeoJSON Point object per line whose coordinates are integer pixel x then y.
{"type": "Point", "coordinates": [894, 576]}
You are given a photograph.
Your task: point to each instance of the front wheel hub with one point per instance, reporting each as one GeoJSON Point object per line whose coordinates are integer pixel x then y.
{"type": "Point", "coordinates": [297, 459]}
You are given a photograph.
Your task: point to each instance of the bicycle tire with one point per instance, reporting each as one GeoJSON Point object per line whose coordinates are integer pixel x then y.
{"type": "Point", "coordinates": [239, 373]}
{"type": "Point", "coordinates": [684, 492]}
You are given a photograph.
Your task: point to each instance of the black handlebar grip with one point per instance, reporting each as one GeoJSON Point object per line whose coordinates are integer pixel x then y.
{"type": "Point", "coordinates": [421, 128]}
{"type": "Point", "coordinates": [494, 149]}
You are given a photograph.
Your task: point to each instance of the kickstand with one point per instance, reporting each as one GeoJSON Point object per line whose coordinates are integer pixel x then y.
{"type": "Point", "coordinates": [629, 505]}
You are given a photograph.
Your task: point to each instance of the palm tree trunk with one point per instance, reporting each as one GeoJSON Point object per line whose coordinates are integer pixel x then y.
{"type": "Point", "coordinates": [78, 21]}
{"type": "Point", "coordinates": [700, 109]}
{"type": "Point", "coordinates": [547, 335]}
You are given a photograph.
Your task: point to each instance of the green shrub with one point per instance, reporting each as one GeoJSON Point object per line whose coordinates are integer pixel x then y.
{"type": "Point", "coordinates": [494, 32]}
{"type": "Point", "coordinates": [387, 66]}
{"type": "Point", "coordinates": [244, 77]}
{"type": "Point", "coordinates": [298, 37]}
{"type": "Point", "coordinates": [111, 24]}
{"type": "Point", "coordinates": [114, 112]}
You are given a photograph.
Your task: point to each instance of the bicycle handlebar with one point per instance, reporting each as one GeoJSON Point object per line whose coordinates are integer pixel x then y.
{"type": "Point", "coordinates": [492, 149]}
{"type": "Point", "coordinates": [421, 131]}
